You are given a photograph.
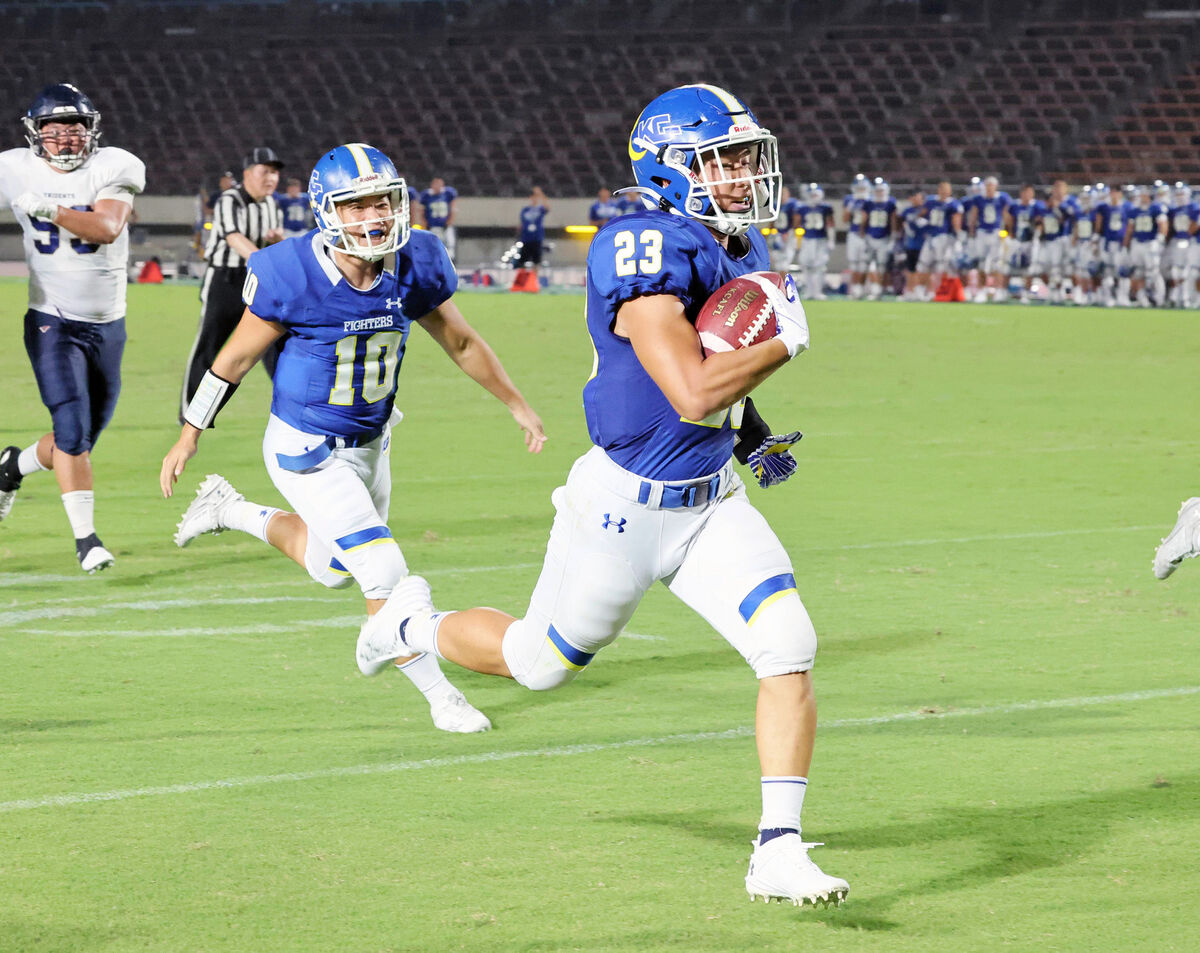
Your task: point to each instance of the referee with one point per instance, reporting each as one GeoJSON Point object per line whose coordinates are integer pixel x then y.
{"type": "Point", "coordinates": [245, 219]}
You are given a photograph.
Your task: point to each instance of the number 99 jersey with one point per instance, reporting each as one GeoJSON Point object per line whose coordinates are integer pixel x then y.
{"type": "Point", "coordinates": [69, 277]}
{"type": "Point", "coordinates": [628, 416]}
{"type": "Point", "coordinates": [336, 374]}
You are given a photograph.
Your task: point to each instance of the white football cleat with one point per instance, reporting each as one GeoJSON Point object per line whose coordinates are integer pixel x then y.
{"type": "Point", "coordinates": [203, 515]}
{"type": "Point", "coordinates": [1183, 542]}
{"type": "Point", "coordinates": [10, 479]}
{"type": "Point", "coordinates": [452, 712]}
{"type": "Point", "coordinates": [92, 555]}
{"type": "Point", "coordinates": [781, 870]}
{"type": "Point", "coordinates": [379, 638]}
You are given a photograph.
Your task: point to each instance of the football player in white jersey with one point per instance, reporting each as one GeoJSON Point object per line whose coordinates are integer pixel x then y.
{"type": "Point", "coordinates": [73, 200]}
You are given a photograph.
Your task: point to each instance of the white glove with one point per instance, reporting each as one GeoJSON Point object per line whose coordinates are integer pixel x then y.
{"type": "Point", "coordinates": [36, 206]}
{"type": "Point", "coordinates": [789, 316]}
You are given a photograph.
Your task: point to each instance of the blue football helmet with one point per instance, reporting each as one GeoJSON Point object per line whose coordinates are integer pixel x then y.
{"type": "Point", "coordinates": [1085, 198]}
{"type": "Point", "coordinates": [860, 187]}
{"type": "Point", "coordinates": [62, 102]}
{"type": "Point", "coordinates": [976, 186]}
{"type": "Point", "coordinates": [1182, 194]}
{"type": "Point", "coordinates": [676, 149]}
{"type": "Point", "coordinates": [813, 192]}
{"type": "Point", "coordinates": [353, 171]}
{"type": "Point", "coordinates": [880, 190]}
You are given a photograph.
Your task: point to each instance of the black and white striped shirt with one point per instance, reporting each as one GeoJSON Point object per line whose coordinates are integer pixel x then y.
{"type": "Point", "coordinates": [236, 211]}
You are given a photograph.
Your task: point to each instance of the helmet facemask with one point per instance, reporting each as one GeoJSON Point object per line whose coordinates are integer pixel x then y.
{"type": "Point", "coordinates": [69, 161]}
{"type": "Point", "coordinates": [365, 238]}
{"type": "Point", "coordinates": [703, 168]}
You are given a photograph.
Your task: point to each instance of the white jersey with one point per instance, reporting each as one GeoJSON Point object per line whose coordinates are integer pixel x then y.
{"type": "Point", "coordinates": [69, 277]}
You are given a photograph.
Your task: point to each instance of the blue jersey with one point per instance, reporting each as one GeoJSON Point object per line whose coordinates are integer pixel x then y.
{"type": "Point", "coordinates": [1056, 221]}
{"type": "Point", "coordinates": [989, 213]}
{"type": "Point", "coordinates": [437, 206]}
{"type": "Point", "coordinates": [296, 218]}
{"type": "Point", "coordinates": [628, 415]}
{"type": "Point", "coordinates": [1146, 222]}
{"type": "Point", "coordinates": [601, 212]}
{"type": "Point", "coordinates": [533, 223]}
{"type": "Point", "coordinates": [941, 215]}
{"type": "Point", "coordinates": [1111, 219]}
{"type": "Point", "coordinates": [1180, 220]}
{"type": "Point", "coordinates": [1085, 224]}
{"type": "Point", "coordinates": [631, 204]}
{"type": "Point", "coordinates": [879, 217]}
{"type": "Point", "coordinates": [915, 227]}
{"type": "Point", "coordinates": [814, 219]}
{"type": "Point", "coordinates": [1023, 217]}
{"type": "Point", "coordinates": [855, 214]}
{"type": "Point", "coordinates": [337, 372]}
{"type": "Point", "coordinates": [788, 211]}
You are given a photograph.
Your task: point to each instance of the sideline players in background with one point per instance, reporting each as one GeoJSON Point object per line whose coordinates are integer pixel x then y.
{"type": "Point", "coordinates": [603, 210]}
{"type": "Point", "coordinates": [880, 227]}
{"type": "Point", "coordinates": [73, 200]}
{"type": "Point", "coordinates": [656, 499]}
{"type": "Point", "coordinates": [786, 226]}
{"type": "Point", "coordinates": [438, 202]}
{"type": "Point", "coordinates": [1084, 253]}
{"type": "Point", "coordinates": [938, 257]}
{"type": "Point", "coordinates": [913, 228]}
{"type": "Point", "coordinates": [814, 217]}
{"type": "Point", "coordinates": [1111, 217]}
{"type": "Point", "coordinates": [1052, 230]}
{"type": "Point", "coordinates": [984, 223]}
{"type": "Point", "coordinates": [1021, 216]}
{"type": "Point", "coordinates": [531, 233]}
{"type": "Point", "coordinates": [343, 303]}
{"type": "Point", "coordinates": [245, 219]}
{"type": "Point", "coordinates": [1181, 220]}
{"type": "Point", "coordinates": [1145, 237]}
{"type": "Point", "coordinates": [293, 209]}
{"type": "Point", "coordinates": [856, 221]}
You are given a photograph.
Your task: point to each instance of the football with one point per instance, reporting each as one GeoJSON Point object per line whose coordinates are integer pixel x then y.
{"type": "Point", "coordinates": [740, 312]}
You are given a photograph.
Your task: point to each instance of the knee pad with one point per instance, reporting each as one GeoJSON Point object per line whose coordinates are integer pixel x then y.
{"type": "Point", "coordinates": [377, 567]}
{"type": "Point", "coordinates": [323, 566]}
{"type": "Point", "coordinates": [72, 432]}
{"type": "Point", "coordinates": [541, 660]}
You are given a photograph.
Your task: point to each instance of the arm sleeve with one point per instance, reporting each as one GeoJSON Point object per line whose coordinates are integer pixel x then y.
{"type": "Point", "coordinates": [751, 434]}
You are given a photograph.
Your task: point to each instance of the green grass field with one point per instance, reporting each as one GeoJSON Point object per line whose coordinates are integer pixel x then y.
{"type": "Point", "coordinates": [1009, 757]}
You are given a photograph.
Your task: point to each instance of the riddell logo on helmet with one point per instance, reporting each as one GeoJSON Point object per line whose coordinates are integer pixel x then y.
{"type": "Point", "coordinates": [744, 127]}
{"type": "Point", "coordinates": [365, 179]}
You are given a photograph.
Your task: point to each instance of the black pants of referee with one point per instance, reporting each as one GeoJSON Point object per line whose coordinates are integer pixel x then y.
{"type": "Point", "coordinates": [221, 309]}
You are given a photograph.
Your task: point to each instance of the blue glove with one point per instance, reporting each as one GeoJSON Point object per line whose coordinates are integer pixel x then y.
{"type": "Point", "coordinates": [771, 463]}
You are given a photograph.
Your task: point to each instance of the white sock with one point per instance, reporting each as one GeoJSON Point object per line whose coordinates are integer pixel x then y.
{"type": "Point", "coordinates": [425, 673]}
{"type": "Point", "coordinates": [249, 517]}
{"type": "Point", "coordinates": [420, 633]}
{"type": "Point", "coordinates": [782, 799]}
{"type": "Point", "coordinates": [28, 461]}
{"type": "Point", "coordinates": [81, 507]}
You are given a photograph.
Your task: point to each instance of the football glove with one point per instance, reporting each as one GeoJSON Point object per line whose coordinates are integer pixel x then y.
{"type": "Point", "coordinates": [771, 463]}
{"type": "Point", "coordinates": [35, 206]}
{"type": "Point", "coordinates": [790, 319]}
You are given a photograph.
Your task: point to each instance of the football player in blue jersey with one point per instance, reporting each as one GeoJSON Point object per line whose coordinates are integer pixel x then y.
{"type": "Point", "coordinates": [1021, 217]}
{"type": "Point", "coordinates": [1111, 217]}
{"type": "Point", "coordinates": [984, 225]}
{"type": "Point", "coordinates": [1052, 228]}
{"type": "Point", "coordinates": [786, 226]}
{"type": "Point", "coordinates": [913, 228]}
{"type": "Point", "coordinates": [1145, 238]}
{"type": "Point", "coordinates": [603, 210]}
{"type": "Point", "coordinates": [880, 228]}
{"type": "Point", "coordinates": [293, 207]}
{"type": "Point", "coordinates": [531, 236]}
{"type": "Point", "coordinates": [942, 247]}
{"type": "Point", "coordinates": [343, 298]}
{"type": "Point", "coordinates": [1085, 246]}
{"type": "Point", "coordinates": [814, 219]}
{"type": "Point", "coordinates": [656, 498]}
{"type": "Point", "coordinates": [438, 202]}
{"type": "Point", "coordinates": [856, 234]}
{"type": "Point", "coordinates": [1181, 222]}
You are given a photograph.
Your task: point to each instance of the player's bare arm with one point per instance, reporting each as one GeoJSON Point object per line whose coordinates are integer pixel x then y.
{"type": "Point", "coordinates": [248, 343]}
{"type": "Point", "coordinates": [477, 360]}
{"type": "Point", "coordinates": [666, 344]}
{"type": "Point", "coordinates": [102, 226]}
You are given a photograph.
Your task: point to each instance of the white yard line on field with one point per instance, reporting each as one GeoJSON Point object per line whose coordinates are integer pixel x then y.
{"type": "Point", "coordinates": [561, 751]}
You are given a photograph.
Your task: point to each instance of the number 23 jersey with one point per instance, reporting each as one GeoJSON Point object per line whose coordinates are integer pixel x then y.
{"type": "Point", "coordinates": [336, 374]}
{"type": "Point", "coordinates": [69, 277]}
{"type": "Point", "coordinates": [628, 416]}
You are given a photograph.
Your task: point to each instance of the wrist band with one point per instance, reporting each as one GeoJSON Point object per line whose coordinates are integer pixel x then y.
{"type": "Point", "coordinates": [209, 398]}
